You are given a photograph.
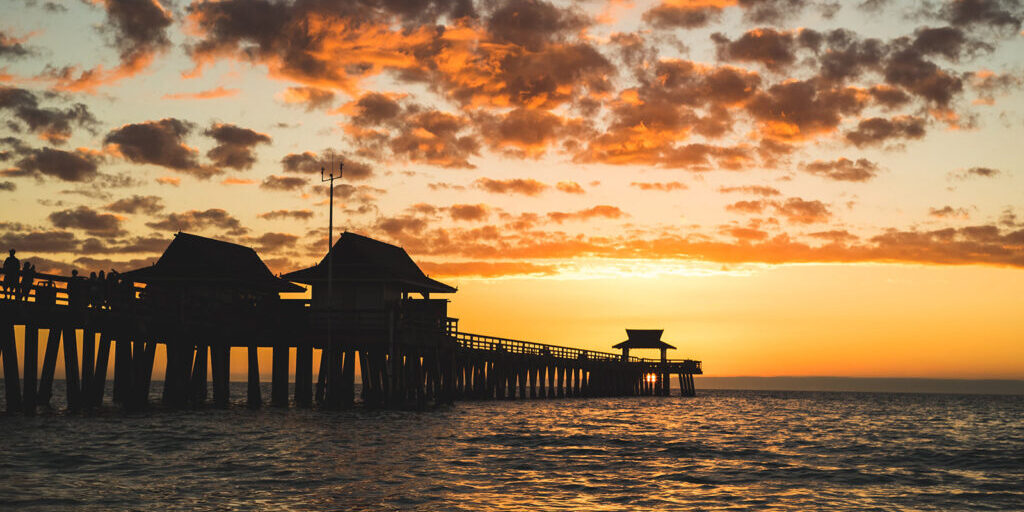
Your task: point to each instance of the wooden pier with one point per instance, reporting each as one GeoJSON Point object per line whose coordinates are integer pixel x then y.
{"type": "Point", "coordinates": [205, 298]}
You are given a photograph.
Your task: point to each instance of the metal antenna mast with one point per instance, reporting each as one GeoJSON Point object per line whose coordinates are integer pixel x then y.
{"type": "Point", "coordinates": [333, 390]}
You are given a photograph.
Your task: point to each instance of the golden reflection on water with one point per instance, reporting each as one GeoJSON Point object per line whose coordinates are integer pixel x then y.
{"type": "Point", "coordinates": [721, 450]}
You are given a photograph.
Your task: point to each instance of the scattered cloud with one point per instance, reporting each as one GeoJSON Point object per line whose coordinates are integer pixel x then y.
{"type": "Point", "coordinates": [209, 94]}
{"type": "Point", "coordinates": [287, 214]}
{"type": "Point", "coordinates": [523, 186]}
{"type": "Point", "coordinates": [200, 220]}
{"type": "Point", "coordinates": [234, 145]}
{"type": "Point", "coordinates": [843, 169]}
{"type": "Point", "coordinates": [150, 205]}
{"type": "Point", "coordinates": [661, 187]}
{"type": "Point", "coordinates": [92, 222]}
{"type": "Point", "coordinates": [599, 211]}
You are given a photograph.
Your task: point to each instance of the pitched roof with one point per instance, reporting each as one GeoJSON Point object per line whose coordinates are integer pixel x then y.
{"type": "Point", "coordinates": [643, 338]}
{"type": "Point", "coordinates": [357, 258]}
{"type": "Point", "coordinates": [197, 259]}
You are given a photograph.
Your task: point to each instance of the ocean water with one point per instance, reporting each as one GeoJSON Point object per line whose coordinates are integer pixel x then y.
{"type": "Point", "coordinates": [723, 450]}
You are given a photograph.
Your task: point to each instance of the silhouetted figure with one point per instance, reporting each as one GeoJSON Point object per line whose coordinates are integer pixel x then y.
{"type": "Point", "coordinates": [28, 278]}
{"type": "Point", "coordinates": [109, 284]}
{"type": "Point", "coordinates": [101, 289]}
{"type": "Point", "coordinates": [76, 291]}
{"type": "Point", "coordinates": [94, 291]}
{"type": "Point", "coordinates": [11, 265]}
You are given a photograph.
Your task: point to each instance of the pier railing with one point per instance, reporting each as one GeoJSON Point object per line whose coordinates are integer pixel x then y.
{"type": "Point", "coordinates": [496, 344]}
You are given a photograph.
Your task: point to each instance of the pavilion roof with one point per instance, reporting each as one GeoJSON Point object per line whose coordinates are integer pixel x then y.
{"type": "Point", "coordinates": [197, 259]}
{"type": "Point", "coordinates": [643, 338]}
{"type": "Point", "coordinates": [357, 258]}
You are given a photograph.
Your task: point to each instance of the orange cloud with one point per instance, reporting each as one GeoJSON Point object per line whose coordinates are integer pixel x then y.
{"type": "Point", "coordinates": [603, 211]}
{"type": "Point", "coordinates": [485, 268]}
{"type": "Point", "coordinates": [527, 187]}
{"type": "Point", "coordinates": [217, 92]}
{"type": "Point", "coordinates": [237, 181]}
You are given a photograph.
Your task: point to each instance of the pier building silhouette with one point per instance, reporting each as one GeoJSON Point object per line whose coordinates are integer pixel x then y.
{"type": "Point", "coordinates": [369, 307]}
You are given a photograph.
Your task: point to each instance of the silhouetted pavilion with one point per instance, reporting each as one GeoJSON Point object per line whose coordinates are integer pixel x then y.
{"type": "Point", "coordinates": [644, 338]}
{"type": "Point", "coordinates": [370, 275]}
{"type": "Point", "coordinates": [215, 269]}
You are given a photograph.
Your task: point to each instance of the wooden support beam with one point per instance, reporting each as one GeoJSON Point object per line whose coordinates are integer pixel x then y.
{"type": "Point", "coordinates": [254, 399]}
{"type": "Point", "coordinates": [321, 377]}
{"type": "Point", "coordinates": [421, 392]}
{"type": "Point", "coordinates": [88, 366]}
{"type": "Point", "coordinates": [49, 365]}
{"type": "Point", "coordinates": [364, 372]}
{"type": "Point", "coordinates": [123, 360]}
{"type": "Point", "coordinates": [304, 375]}
{"type": "Point", "coordinates": [348, 377]}
{"type": "Point", "coordinates": [100, 376]}
{"type": "Point", "coordinates": [561, 381]}
{"type": "Point", "coordinates": [31, 368]}
{"type": "Point", "coordinates": [552, 393]}
{"type": "Point", "coordinates": [383, 377]}
{"type": "Point", "coordinates": [12, 380]}
{"type": "Point", "coordinates": [279, 375]}
{"type": "Point", "coordinates": [170, 377]}
{"type": "Point", "coordinates": [70, 341]}
{"type": "Point", "coordinates": [198, 389]}
{"type": "Point", "coordinates": [146, 378]}
{"type": "Point", "coordinates": [220, 363]}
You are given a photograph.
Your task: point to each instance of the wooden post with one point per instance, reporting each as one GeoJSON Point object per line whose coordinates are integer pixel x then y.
{"type": "Point", "coordinates": [88, 366]}
{"type": "Point", "coordinates": [321, 376]}
{"type": "Point", "coordinates": [146, 378]}
{"type": "Point", "coordinates": [31, 367]}
{"type": "Point", "coordinates": [348, 378]}
{"type": "Point", "coordinates": [9, 352]}
{"type": "Point", "coordinates": [551, 379]}
{"type": "Point", "coordinates": [220, 359]}
{"type": "Point", "coordinates": [303, 374]}
{"type": "Point", "coordinates": [280, 357]}
{"type": "Point", "coordinates": [123, 360]}
{"type": "Point", "coordinates": [561, 381]}
{"type": "Point", "coordinates": [364, 372]}
{"type": "Point", "coordinates": [198, 389]}
{"type": "Point", "coordinates": [541, 378]}
{"type": "Point", "coordinates": [421, 394]}
{"type": "Point", "coordinates": [71, 367]}
{"type": "Point", "coordinates": [49, 365]}
{"type": "Point", "coordinates": [170, 375]}
{"type": "Point", "coordinates": [254, 399]}
{"type": "Point", "coordinates": [100, 377]}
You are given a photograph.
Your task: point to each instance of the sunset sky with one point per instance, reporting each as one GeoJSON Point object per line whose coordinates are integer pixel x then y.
{"type": "Point", "coordinates": [787, 187]}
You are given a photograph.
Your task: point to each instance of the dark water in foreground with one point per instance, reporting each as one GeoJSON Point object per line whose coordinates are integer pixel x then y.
{"type": "Point", "coordinates": [734, 450]}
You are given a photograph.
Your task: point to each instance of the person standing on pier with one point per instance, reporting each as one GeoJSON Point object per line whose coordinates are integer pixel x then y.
{"type": "Point", "coordinates": [11, 265]}
{"type": "Point", "coordinates": [76, 294]}
{"type": "Point", "coordinates": [28, 278]}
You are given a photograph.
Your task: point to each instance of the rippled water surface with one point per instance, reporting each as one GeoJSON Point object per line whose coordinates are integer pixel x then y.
{"type": "Point", "coordinates": [731, 450]}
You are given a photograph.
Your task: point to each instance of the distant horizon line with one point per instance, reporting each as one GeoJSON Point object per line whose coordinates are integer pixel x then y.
{"type": "Point", "coordinates": [926, 385]}
{"type": "Point", "coordinates": [943, 385]}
